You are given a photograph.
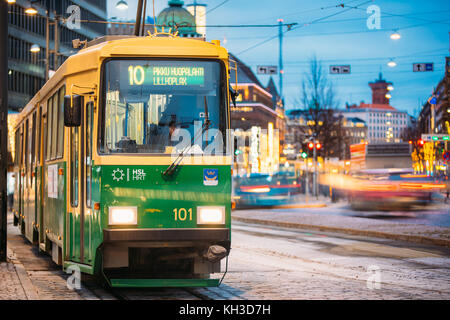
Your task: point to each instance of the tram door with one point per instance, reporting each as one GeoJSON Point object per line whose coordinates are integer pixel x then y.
{"type": "Point", "coordinates": [27, 178]}
{"type": "Point", "coordinates": [87, 185]}
{"type": "Point", "coordinates": [76, 209]}
{"type": "Point", "coordinates": [30, 175]}
{"type": "Point", "coordinates": [80, 217]}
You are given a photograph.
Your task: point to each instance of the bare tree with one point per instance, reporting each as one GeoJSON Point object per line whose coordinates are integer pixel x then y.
{"type": "Point", "coordinates": [319, 104]}
{"type": "Point", "coordinates": [413, 134]}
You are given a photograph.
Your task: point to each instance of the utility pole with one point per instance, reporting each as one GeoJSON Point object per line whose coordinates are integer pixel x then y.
{"type": "Point", "coordinates": [47, 41]}
{"type": "Point", "coordinates": [315, 193]}
{"type": "Point", "coordinates": [56, 51]}
{"type": "Point", "coordinates": [3, 124]}
{"type": "Point", "coordinates": [137, 26]}
{"type": "Point", "coordinates": [280, 56]}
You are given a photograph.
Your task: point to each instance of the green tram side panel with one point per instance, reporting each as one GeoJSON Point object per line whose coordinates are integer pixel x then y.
{"type": "Point", "coordinates": [156, 196]}
{"type": "Point", "coordinates": [54, 204]}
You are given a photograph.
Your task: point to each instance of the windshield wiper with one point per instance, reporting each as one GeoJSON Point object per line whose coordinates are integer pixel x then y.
{"type": "Point", "coordinates": [180, 157]}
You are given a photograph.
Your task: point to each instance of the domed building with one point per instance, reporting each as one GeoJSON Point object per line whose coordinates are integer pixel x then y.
{"type": "Point", "coordinates": [177, 18]}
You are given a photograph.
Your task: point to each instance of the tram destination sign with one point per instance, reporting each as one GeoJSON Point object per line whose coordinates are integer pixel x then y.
{"type": "Point", "coordinates": [166, 75]}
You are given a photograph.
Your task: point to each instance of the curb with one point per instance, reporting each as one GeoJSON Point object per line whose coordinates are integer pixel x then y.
{"type": "Point", "coordinates": [367, 233]}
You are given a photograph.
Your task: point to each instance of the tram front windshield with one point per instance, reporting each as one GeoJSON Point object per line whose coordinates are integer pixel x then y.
{"type": "Point", "coordinates": [158, 106]}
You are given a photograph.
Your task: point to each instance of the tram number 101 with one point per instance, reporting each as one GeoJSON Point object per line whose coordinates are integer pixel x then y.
{"type": "Point", "coordinates": [182, 214]}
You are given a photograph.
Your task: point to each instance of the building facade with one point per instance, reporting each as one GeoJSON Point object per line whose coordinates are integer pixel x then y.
{"type": "Point", "coordinates": [352, 130]}
{"type": "Point", "coordinates": [26, 74]}
{"type": "Point", "coordinates": [257, 120]}
{"type": "Point", "coordinates": [385, 124]}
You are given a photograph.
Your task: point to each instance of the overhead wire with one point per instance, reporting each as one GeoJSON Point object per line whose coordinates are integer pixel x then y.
{"type": "Point", "coordinates": [300, 26]}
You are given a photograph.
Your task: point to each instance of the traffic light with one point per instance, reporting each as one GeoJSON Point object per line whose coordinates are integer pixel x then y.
{"type": "Point", "coordinates": [421, 142]}
{"type": "Point", "coordinates": [310, 145]}
{"type": "Point", "coordinates": [318, 145]}
{"type": "Point", "coordinates": [304, 155]}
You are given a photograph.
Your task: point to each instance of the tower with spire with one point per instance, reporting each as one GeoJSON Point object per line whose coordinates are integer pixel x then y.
{"type": "Point", "coordinates": [379, 90]}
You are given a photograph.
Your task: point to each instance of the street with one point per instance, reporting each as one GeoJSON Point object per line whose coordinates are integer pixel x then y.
{"type": "Point", "coordinates": [433, 215]}
{"type": "Point", "coordinates": [279, 263]}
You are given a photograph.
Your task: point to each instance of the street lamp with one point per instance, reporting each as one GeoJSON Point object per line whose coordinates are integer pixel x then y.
{"type": "Point", "coordinates": [395, 35]}
{"type": "Point", "coordinates": [388, 95]}
{"type": "Point", "coordinates": [122, 5]}
{"type": "Point", "coordinates": [391, 63]}
{"type": "Point", "coordinates": [35, 48]}
{"type": "Point", "coordinates": [11, 1]}
{"type": "Point", "coordinates": [31, 11]}
{"type": "Point", "coordinates": [390, 87]}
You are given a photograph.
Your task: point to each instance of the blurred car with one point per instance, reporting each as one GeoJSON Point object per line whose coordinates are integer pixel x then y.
{"type": "Point", "coordinates": [266, 190]}
{"type": "Point", "coordinates": [392, 190]}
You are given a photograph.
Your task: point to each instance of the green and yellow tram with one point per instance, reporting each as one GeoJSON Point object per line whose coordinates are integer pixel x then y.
{"type": "Point", "coordinates": [122, 165]}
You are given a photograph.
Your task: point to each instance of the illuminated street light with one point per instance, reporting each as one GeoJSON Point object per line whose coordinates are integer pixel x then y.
{"type": "Point", "coordinates": [11, 1]}
{"type": "Point", "coordinates": [35, 48]}
{"type": "Point", "coordinates": [122, 5]}
{"type": "Point", "coordinates": [388, 95]}
{"type": "Point", "coordinates": [395, 35]}
{"type": "Point", "coordinates": [31, 11]}
{"type": "Point", "coordinates": [391, 63]}
{"type": "Point", "coordinates": [390, 87]}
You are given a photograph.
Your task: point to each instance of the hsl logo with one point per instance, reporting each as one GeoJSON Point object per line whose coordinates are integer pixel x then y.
{"type": "Point", "coordinates": [210, 177]}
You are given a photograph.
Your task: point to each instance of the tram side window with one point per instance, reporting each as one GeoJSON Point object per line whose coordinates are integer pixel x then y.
{"type": "Point", "coordinates": [60, 151]}
{"type": "Point", "coordinates": [16, 153]}
{"type": "Point", "coordinates": [55, 125]}
{"type": "Point", "coordinates": [33, 146]}
{"type": "Point", "coordinates": [38, 136]}
{"type": "Point", "coordinates": [49, 128]}
{"type": "Point", "coordinates": [21, 147]}
{"type": "Point", "coordinates": [25, 149]}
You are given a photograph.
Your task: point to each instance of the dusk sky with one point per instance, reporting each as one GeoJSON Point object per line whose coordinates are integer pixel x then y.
{"type": "Point", "coordinates": [336, 35]}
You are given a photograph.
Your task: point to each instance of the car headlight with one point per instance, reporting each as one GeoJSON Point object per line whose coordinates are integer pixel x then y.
{"type": "Point", "coordinates": [210, 215]}
{"type": "Point", "coordinates": [122, 215]}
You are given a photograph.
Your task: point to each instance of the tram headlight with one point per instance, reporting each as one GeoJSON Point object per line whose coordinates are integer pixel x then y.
{"type": "Point", "coordinates": [122, 215]}
{"type": "Point", "coordinates": [210, 215]}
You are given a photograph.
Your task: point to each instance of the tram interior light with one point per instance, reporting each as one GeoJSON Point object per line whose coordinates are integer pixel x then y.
{"type": "Point", "coordinates": [210, 215]}
{"type": "Point", "coordinates": [122, 215]}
